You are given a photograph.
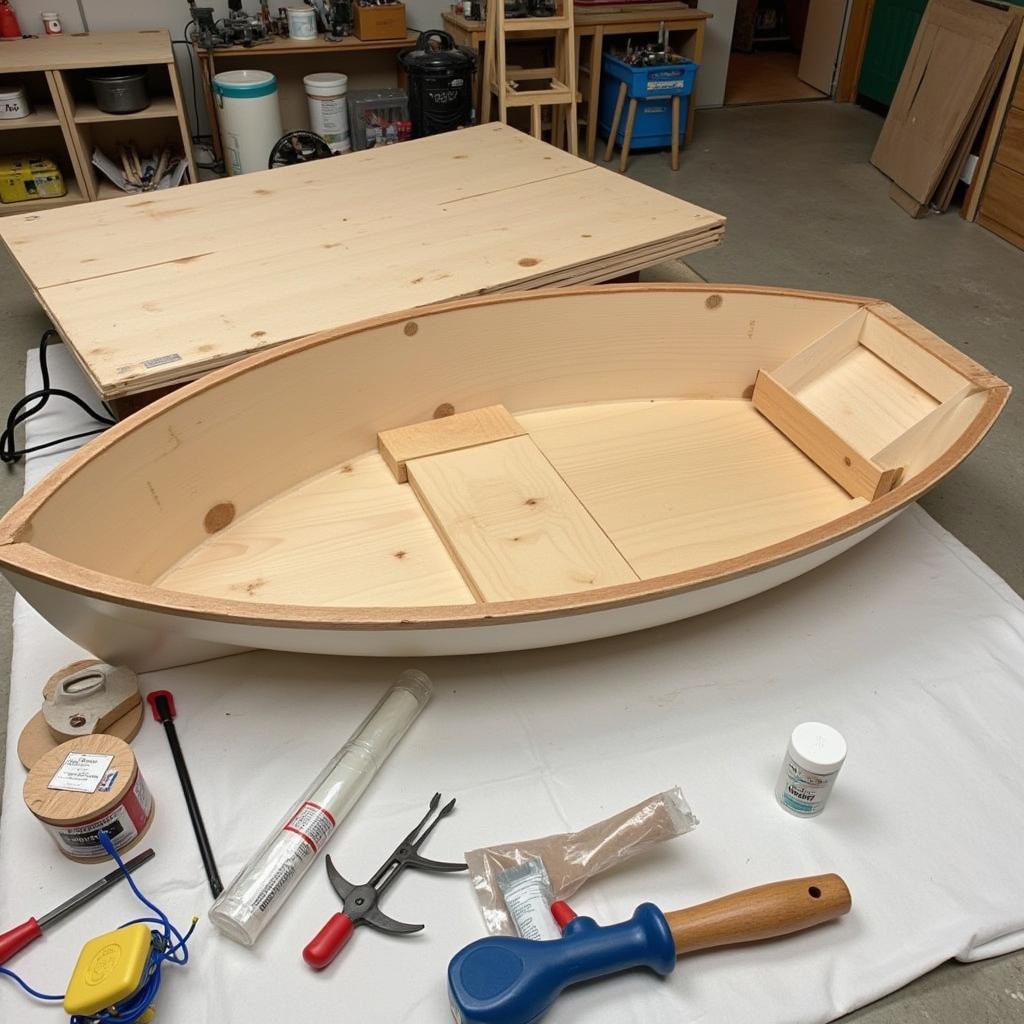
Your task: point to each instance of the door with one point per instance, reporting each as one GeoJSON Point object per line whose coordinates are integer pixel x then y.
{"type": "Point", "coordinates": [822, 36]}
{"type": "Point", "coordinates": [893, 27]}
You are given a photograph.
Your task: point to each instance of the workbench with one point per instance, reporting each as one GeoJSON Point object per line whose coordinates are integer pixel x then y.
{"type": "Point", "coordinates": [291, 59]}
{"type": "Point", "coordinates": [686, 36]}
{"type": "Point", "coordinates": [158, 291]}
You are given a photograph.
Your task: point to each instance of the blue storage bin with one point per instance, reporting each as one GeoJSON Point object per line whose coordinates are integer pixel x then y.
{"type": "Point", "coordinates": [653, 88]}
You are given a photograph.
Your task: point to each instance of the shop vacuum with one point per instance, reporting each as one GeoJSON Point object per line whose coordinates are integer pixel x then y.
{"type": "Point", "coordinates": [440, 84]}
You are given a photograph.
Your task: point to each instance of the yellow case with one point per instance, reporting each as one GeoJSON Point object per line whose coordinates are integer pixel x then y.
{"type": "Point", "coordinates": [110, 968]}
{"type": "Point", "coordinates": [26, 177]}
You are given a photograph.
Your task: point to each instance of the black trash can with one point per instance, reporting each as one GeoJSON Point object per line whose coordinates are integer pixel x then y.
{"type": "Point", "coordinates": [440, 84]}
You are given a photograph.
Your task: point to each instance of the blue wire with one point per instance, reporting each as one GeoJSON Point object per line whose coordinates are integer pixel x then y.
{"type": "Point", "coordinates": [164, 951]}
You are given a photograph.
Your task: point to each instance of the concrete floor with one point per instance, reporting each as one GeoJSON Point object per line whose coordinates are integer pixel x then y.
{"type": "Point", "coordinates": [807, 210]}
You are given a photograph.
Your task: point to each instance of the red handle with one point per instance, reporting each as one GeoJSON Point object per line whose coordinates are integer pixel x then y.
{"type": "Point", "coordinates": [329, 941]}
{"type": "Point", "coordinates": [18, 938]}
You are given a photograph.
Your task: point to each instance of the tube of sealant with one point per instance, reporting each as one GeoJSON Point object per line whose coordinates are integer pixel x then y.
{"type": "Point", "coordinates": [247, 906]}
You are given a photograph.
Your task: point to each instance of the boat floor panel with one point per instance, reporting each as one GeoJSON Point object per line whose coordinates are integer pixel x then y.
{"type": "Point", "coordinates": [674, 484]}
{"type": "Point", "coordinates": [681, 484]}
{"type": "Point", "coordinates": [346, 538]}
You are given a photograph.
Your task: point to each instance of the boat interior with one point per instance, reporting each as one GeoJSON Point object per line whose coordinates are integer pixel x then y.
{"type": "Point", "coordinates": [513, 449]}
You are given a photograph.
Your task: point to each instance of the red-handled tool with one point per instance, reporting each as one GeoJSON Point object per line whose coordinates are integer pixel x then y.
{"type": "Point", "coordinates": [360, 901]}
{"type": "Point", "coordinates": [21, 935]}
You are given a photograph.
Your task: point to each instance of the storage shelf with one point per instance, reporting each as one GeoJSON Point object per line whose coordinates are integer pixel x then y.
{"type": "Point", "coordinates": [74, 195]}
{"type": "Point", "coordinates": [161, 106]}
{"type": "Point", "coordinates": [42, 117]}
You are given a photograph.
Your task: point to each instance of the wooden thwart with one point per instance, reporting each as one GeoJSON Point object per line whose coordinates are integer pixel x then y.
{"type": "Point", "coordinates": [512, 524]}
{"type": "Point", "coordinates": [445, 434]}
{"type": "Point", "coordinates": [858, 475]}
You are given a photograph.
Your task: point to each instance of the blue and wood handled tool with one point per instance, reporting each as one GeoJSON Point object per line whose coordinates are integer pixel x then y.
{"type": "Point", "coordinates": [505, 980]}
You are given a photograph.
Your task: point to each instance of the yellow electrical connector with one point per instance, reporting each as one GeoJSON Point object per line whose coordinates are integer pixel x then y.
{"type": "Point", "coordinates": [110, 968]}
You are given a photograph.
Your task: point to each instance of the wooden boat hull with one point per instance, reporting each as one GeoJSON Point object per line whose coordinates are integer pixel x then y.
{"type": "Point", "coordinates": [497, 474]}
{"type": "Point", "coordinates": [149, 640]}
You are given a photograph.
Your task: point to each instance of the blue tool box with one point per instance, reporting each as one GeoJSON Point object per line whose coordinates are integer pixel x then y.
{"type": "Point", "coordinates": [653, 88]}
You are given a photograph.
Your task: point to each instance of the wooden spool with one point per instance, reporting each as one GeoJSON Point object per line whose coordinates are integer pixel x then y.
{"type": "Point", "coordinates": [37, 738]}
{"type": "Point", "coordinates": [74, 805]}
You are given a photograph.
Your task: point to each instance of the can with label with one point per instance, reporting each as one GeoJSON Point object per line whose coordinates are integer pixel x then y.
{"type": "Point", "coordinates": [85, 786]}
{"type": "Point", "coordinates": [813, 758]}
{"type": "Point", "coordinates": [51, 23]}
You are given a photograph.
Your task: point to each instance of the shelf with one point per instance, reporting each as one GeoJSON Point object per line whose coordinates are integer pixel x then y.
{"type": "Point", "coordinates": [161, 106]}
{"type": "Point", "coordinates": [74, 195]}
{"type": "Point", "coordinates": [44, 116]}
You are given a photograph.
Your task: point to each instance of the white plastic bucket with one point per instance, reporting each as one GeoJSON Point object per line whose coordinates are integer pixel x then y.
{"type": "Point", "coordinates": [249, 117]}
{"type": "Point", "coordinates": [14, 103]}
{"type": "Point", "coordinates": [328, 108]}
{"type": "Point", "coordinates": [302, 23]}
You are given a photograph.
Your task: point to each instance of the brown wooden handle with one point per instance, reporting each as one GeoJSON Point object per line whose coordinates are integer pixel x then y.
{"type": "Point", "coordinates": [760, 913]}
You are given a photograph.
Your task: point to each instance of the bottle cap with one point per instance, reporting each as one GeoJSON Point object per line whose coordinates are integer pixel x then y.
{"type": "Point", "coordinates": [818, 747]}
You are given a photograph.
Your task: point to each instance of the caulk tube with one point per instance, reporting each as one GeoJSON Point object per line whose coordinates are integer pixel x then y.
{"type": "Point", "coordinates": [247, 906]}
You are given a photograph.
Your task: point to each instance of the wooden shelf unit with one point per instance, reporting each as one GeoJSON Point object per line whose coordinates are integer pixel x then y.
{"type": "Point", "coordinates": [66, 124]}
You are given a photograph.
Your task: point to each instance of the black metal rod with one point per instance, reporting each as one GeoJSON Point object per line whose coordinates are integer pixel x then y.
{"type": "Point", "coordinates": [92, 891]}
{"type": "Point", "coordinates": [195, 815]}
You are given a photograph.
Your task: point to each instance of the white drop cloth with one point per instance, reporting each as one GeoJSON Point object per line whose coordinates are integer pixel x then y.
{"type": "Point", "coordinates": [907, 644]}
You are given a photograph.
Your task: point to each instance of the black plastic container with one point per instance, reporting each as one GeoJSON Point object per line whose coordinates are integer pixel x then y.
{"type": "Point", "coordinates": [440, 84]}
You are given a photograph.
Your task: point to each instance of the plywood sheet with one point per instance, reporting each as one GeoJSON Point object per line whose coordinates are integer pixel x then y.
{"type": "Point", "coordinates": [680, 484]}
{"type": "Point", "coordinates": [161, 289]}
{"type": "Point", "coordinates": [514, 527]}
{"type": "Point", "coordinates": [942, 82]}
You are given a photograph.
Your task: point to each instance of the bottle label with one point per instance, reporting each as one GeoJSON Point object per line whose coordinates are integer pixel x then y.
{"type": "Point", "coordinates": [803, 791]}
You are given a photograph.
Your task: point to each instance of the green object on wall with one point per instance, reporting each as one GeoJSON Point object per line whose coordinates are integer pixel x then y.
{"type": "Point", "coordinates": [893, 27]}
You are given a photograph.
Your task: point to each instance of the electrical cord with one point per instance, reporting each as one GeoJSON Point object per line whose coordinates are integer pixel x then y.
{"type": "Point", "coordinates": [130, 1010]}
{"type": "Point", "coordinates": [24, 408]}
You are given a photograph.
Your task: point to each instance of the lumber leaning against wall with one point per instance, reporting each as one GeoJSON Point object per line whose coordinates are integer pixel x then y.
{"type": "Point", "coordinates": [951, 75]}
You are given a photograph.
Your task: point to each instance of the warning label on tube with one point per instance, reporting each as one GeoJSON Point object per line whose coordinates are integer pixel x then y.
{"type": "Point", "coordinates": [313, 824]}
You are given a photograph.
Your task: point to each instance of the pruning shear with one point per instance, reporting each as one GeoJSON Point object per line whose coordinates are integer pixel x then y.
{"type": "Point", "coordinates": [361, 902]}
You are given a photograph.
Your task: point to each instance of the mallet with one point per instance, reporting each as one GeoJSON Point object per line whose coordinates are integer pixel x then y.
{"type": "Point", "coordinates": [505, 980]}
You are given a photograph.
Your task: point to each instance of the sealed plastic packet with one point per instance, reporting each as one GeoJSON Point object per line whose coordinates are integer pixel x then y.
{"type": "Point", "coordinates": [515, 883]}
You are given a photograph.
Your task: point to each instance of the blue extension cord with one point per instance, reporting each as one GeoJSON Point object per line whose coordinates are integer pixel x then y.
{"type": "Point", "coordinates": [131, 1009]}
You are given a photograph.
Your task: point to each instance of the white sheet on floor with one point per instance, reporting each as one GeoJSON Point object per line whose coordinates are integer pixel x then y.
{"type": "Point", "coordinates": [908, 644]}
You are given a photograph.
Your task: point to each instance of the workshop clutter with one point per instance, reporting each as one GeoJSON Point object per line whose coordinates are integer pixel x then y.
{"type": "Point", "coordinates": [379, 20]}
{"type": "Point", "coordinates": [90, 794]}
{"type": "Point", "coordinates": [30, 176]}
{"type": "Point", "coordinates": [378, 117]}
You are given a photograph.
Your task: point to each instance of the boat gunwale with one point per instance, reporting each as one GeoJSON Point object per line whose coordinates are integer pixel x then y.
{"type": "Point", "coordinates": [22, 557]}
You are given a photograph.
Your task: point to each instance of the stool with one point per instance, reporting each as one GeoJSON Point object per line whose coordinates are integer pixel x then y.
{"type": "Point", "coordinates": [627, 136]}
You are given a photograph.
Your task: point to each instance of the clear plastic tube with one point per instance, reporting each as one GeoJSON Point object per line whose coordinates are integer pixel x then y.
{"type": "Point", "coordinates": [250, 902]}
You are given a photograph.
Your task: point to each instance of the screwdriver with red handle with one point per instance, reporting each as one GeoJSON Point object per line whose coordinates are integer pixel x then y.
{"type": "Point", "coordinates": [18, 937]}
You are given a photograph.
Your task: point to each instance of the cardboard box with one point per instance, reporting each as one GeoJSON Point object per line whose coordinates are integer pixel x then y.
{"type": "Point", "coordinates": [380, 22]}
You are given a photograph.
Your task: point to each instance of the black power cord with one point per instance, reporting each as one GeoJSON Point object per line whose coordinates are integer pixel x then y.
{"type": "Point", "coordinates": [23, 409]}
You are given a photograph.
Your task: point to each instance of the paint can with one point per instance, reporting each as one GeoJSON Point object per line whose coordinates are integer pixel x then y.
{"type": "Point", "coordinates": [86, 785]}
{"type": "Point", "coordinates": [328, 108]}
{"type": "Point", "coordinates": [301, 23]}
{"type": "Point", "coordinates": [14, 102]}
{"type": "Point", "coordinates": [249, 116]}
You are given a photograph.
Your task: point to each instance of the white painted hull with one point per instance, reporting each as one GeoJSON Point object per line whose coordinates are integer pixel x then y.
{"type": "Point", "coordinates": [147, 640]}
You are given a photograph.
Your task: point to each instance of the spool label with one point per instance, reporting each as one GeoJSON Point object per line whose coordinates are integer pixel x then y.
{"type": "Point", "coordinates": [81, 773]}
{"type": "Point", "coordinates": [123, 824]}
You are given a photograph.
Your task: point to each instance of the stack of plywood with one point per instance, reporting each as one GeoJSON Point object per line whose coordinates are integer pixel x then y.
{"type": "Point", "coordinates": [154, 291]}
{"type": "Point", "coordinates": [959, 57]}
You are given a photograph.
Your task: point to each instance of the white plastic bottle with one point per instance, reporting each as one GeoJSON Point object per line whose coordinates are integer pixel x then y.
{"type": "Point", "coordinates": [813, 758]}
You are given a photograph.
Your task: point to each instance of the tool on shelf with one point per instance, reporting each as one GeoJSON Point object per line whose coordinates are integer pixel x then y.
{"type": "Point", "coordinates": [164, 711]}
{"type": "Point", "coordinates": [18, 937]}
{"type": "Point", "coordinates": [237, 29]}
{"type": "Point", "coordinates": [505, 980]}
{"type": "Point", "coordinates": [361, 901]}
